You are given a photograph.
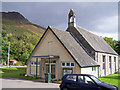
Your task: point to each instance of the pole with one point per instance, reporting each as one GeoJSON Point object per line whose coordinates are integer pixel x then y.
{"type": "Point", "coordinates": [36, 66]}
{"type": "Point", "coordinates": [49, 65]}
{"type": "Point", "coordinates": [49, 56]}
{"type": "Point", "coordinates": [49, 75]}
{"type": "Point", "coordinates": [8, 54]}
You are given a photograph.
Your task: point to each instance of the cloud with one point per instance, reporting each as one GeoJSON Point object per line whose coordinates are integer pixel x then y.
{"type": "Point", "coordinates": [109, 35]}
{"type": "Point", "coordinates": [107, 25]}
{"type": "Point", "coordinates": [100, 17]}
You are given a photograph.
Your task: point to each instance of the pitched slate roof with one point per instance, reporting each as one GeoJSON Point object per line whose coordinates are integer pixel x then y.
{"type": "Point", "coordinates": [76, 51]}
{"type": "Point", "coordinates": [96, 42]}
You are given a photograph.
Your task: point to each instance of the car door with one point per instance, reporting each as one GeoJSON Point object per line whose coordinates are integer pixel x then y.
{"type": "Point", "coordinates": [71, 82]}
{"type": "Point", "coordinates": [86, 83]}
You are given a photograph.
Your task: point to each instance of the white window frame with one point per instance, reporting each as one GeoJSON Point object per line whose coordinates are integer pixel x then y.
{"type": "Point", "coordinates": [62, 65]}
{"type": "Point", "coordinates": [74, 64]}
{"type": "Point", "coordinates": [34, 63]}
{"type": "Point", "coordinates": [66, 64]}
{"type": "Point", "coordinates": [103, 63]}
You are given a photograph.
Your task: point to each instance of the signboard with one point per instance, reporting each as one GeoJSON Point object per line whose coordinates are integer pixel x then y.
{"type": "Point", "coordinates": [67, 71]}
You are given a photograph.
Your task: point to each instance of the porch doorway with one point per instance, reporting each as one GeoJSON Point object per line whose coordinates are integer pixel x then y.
{"type": "Point", "coordinates": [52, 68]}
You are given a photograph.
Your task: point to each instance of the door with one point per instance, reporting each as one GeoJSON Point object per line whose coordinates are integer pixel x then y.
{"type": "Point", "coordinates": [71, 82]}
{"type": "Point", "coordinates": [52, 69]}
{"type": "Point", "coordinates": [86, 83]}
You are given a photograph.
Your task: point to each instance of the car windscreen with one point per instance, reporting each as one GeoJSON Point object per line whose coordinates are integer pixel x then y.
{"type": "Point", "coordinates": [96, 79]}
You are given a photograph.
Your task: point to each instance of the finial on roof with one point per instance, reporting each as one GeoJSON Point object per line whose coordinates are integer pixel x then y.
{"type": "Point", "coordinates": [49, 26]}
{"type": "Point", "coordinates": [72, 13]}
{"type": "Point", "coordinates": [71, 9]}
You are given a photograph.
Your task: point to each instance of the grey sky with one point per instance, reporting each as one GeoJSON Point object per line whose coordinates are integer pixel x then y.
{"type": "Point", "coordinates": [100, 18]}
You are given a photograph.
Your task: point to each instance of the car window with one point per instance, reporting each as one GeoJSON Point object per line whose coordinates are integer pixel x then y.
{"type": "Point", "coordinates": [71, 77]}
{"type": "Point", "coordinates": [85, 79]}
{"type": "Point", "coordinates": [81, 79]}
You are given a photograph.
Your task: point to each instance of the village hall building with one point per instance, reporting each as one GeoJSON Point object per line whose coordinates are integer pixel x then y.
{"type": "Point", "coordinates": [74, 51]}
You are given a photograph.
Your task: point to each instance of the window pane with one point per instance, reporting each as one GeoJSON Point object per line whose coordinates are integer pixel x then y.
{"type": "Point", "coordinates": [114, 59]}
{"type": "Point", "coordinates": [103, 58]}
{"type": "Point", "coordinates": [71, 77]}
{"type": "Point", "coordinates": [109, 61]}
{"type": "Point", "coordinates": [38, 63]}
{"type": "Point", "coordinates": [115, 64]}
{"type": "Point", "coordinates": [32, 63]}
{"type": "Point", "coordinates": [63, 64]}
{"type": "Point", "coordinates": [95, 79]}
{"type": "Point", "coordinates": [103, 62]}
{"type": "Point", "coordinates": [68, 64]}
{"type": "Point", "coordinates": [35, 63]}
{"type": "Point", "coordinates": [81, 79]}
{"type": "Point", "coordinates": [85, 79]}
{"type": "Point", "coordinates": [93, 68]}
{"type": "Point", "coordinates": [88, 80]}
{"type": "Point", "coordinates": [54, 61]}
{"type": "Point", "coordinates": [72, 64]}
{"type": "Point", "coordinates": [47, 68]}
{"type": "Point", "coordinates": [46, 61]}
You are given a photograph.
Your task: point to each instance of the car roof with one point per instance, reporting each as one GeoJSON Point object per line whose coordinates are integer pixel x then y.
{"type": "Point", "coordinates": [79, 74]}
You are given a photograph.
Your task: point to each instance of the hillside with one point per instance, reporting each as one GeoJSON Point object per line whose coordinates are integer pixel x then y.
{"type": "Point", "coordinates": [22, 34]}
{"type": "Point", "coordinates": [19, 20]}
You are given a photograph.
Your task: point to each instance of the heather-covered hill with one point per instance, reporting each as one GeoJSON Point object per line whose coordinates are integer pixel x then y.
{"type": "Point", "coordinates": [22, 34]}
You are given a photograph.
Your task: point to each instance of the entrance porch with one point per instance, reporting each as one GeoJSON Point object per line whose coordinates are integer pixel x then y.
{"type": "Point", "coordinates": [40, 65]}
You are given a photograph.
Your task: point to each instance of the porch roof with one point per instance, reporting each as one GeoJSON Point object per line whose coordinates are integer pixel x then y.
{"type": "Point", "coordinates": [47, 56]}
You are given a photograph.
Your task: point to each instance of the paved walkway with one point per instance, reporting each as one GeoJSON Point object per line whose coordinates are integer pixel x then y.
{"type": "Point", "coordinates": [16, 83]}
{"type": "Point", "coordinates": [11, 66]}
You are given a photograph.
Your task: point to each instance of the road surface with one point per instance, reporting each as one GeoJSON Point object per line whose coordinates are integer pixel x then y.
{"type": "Point", "coordinates": [16, 83]}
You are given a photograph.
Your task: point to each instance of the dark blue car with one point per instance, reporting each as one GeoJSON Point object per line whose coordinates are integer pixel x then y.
{"type": "Point", "coordinates": [84, 82]}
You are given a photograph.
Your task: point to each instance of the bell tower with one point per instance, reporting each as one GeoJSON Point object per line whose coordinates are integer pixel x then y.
{"type": "Point", "coordinates": [71, 19]}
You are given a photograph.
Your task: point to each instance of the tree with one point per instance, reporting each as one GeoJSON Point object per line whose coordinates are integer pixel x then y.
{"type": "Point", "coordinates": [113, 43]}
{"type": "Point", "coordinates": [22, 42]}
{"type": "Point", "coordinates": [118, 47]}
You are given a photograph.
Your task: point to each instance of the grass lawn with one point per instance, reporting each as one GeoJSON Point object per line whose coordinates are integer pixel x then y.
{"type": "Point", "coordinates": [113, 79]}
{"type": "Point", "coordinates": [14, 72]}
